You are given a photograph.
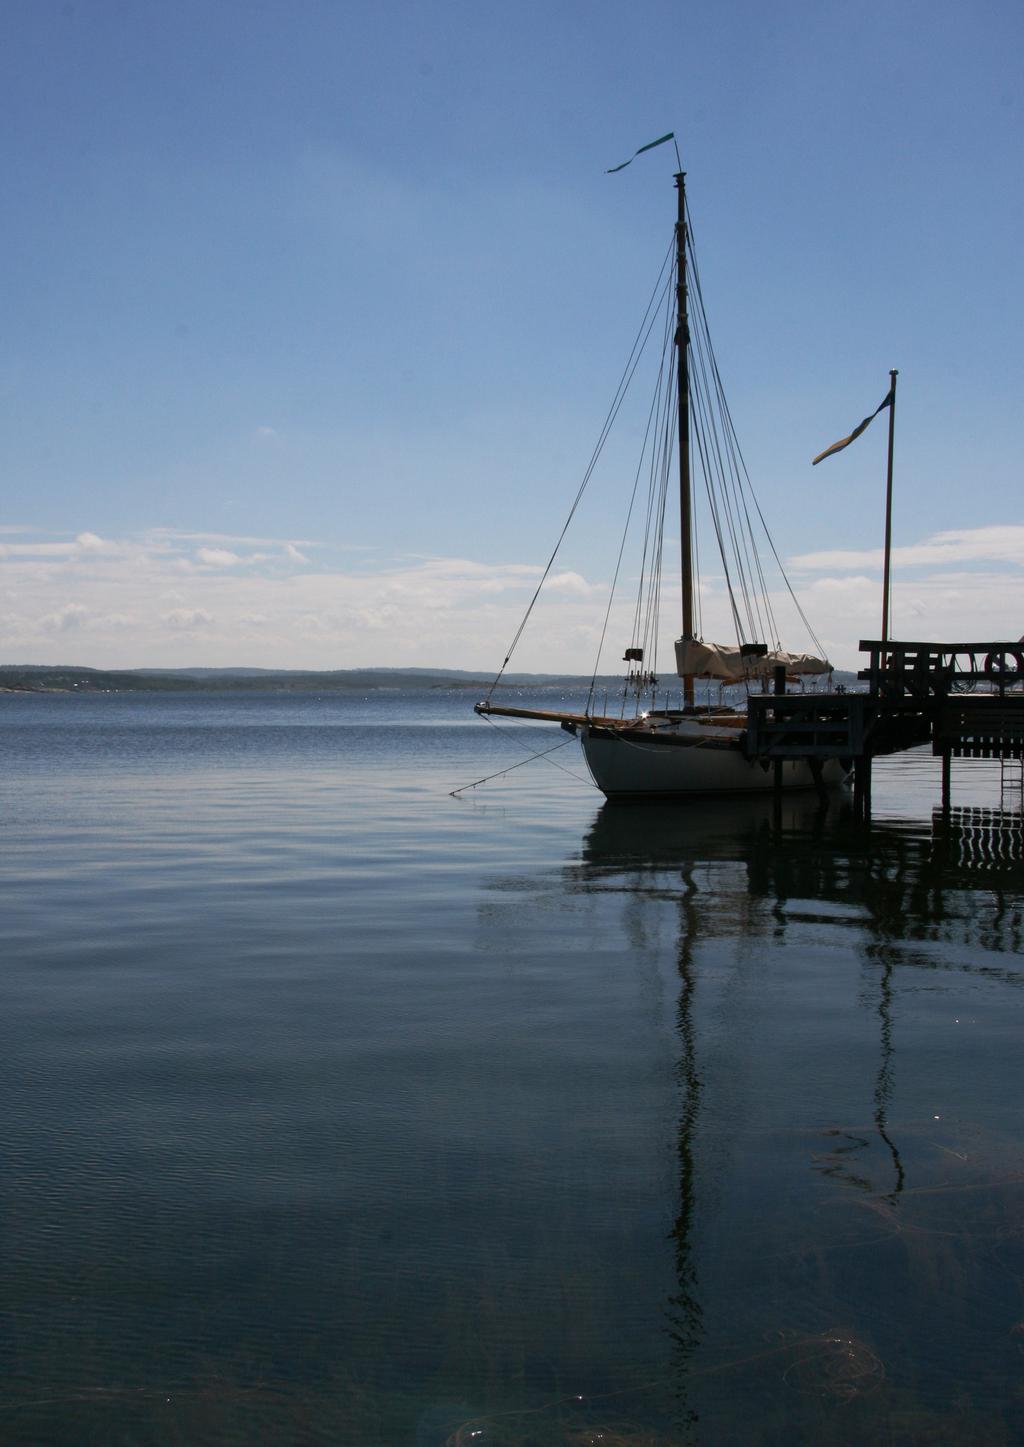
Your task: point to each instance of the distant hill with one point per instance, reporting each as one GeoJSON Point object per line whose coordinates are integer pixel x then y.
{"type": "Point", "coordinates": [43, 678]}
{"type": "Point", "coordinates": [40, 678]}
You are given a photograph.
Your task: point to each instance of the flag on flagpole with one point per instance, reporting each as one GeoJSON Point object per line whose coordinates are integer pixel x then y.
{"type": "Point", "coordinates": [649, 147]}
{"type": "Point", "coordinates": [845, 441]}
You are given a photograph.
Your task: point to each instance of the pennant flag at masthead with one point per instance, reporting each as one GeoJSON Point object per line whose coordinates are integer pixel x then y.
{"type": "Point", "coordinates": [845, 441]}
{"type": "Point", "coordinates": [649, 147]}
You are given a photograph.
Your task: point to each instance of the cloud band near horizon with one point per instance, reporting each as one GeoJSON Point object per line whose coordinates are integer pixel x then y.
{"type": "Point", "coordinates": [170, 599]}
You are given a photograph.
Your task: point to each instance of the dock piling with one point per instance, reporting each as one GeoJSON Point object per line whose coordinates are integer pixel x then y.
{"type": "Point", "coordinates": [779, 689]}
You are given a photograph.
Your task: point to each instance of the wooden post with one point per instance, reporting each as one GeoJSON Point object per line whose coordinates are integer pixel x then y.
{"type": "Point", "coordinates": [817, 774]}
{"type": "Point", "coordinates": [779, 677]}
{"type": "Point", "coordinates": [946, 779]}
{"type": "Point", "coordinates": [862, 787]}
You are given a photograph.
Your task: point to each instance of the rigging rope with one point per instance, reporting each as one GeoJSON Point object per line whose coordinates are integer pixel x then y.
{"type": "Point", "coordinates": [733, 507]}
{"type": "Point", "coordinates": [723, 402]}
{"type": "Point", "coordinates": [639, 344]}
{"type": "Point", "coordinates": [645, 619]}
{"type": "Point", "coordinates": [726, 480]}
{"type": "Point", "coordinates": [666, 297]}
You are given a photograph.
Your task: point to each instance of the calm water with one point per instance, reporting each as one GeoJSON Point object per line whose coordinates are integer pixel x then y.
{"type": "Point", "coordinates": [338, 1110]}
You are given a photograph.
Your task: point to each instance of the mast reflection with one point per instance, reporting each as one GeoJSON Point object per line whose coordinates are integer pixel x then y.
{"type": "Point", "coordinates": [744, 869]}
{"type": "Point", "coordinates": [685, 1314]}
{"type": "Point", "coordinates": [884, 1081]}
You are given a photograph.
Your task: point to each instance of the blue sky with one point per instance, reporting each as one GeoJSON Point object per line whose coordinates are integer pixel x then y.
{"type": "Point", "coordinates": [312, 312]}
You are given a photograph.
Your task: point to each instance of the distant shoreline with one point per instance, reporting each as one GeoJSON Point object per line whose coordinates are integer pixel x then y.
{"type": "Point", "coordinates": [31, 678]}
{"type": "Point", "coordinates": [72, 679]}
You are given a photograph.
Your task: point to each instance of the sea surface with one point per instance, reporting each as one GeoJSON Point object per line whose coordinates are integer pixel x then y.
{"type": "Point", "coordinates": [339, 1109]}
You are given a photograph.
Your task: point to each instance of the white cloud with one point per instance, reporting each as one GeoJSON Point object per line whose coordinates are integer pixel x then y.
{"type": "Point", "coordinates": [573, 583]}
{"type": "Point", "coordinates": [965, 545]}
{"type": "Point", "coordinates": [168, 599]}
{"type": "Point", "coordinates": [84, 543]}
{"type": "Point", "coordinates": [218, 557]}
{"type": "Point", "coordinates": [71, 616]}
{"type": "Point", "coordinates": [173, 537]}
{"type": "Point", "coordinates": [38, 550]}
{"type": "Point", "coordinates": [187, 618]}
{"type": "Point", "coordinates": [964, 585]}
{"type": "Point", "coordinates": [189, 599]}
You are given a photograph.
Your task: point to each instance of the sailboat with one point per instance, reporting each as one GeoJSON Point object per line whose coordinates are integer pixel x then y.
{"type": "Point", "coordinates": [693, 749]}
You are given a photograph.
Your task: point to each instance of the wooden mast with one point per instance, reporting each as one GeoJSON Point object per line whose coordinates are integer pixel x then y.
{"type": "Point", "coordinates": [683, 375]}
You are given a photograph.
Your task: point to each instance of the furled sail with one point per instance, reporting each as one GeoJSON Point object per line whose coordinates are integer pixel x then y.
{"type": "Point", "coordinates": [697, 659]}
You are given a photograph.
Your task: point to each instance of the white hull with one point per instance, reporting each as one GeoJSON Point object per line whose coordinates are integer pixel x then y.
{"type": "Point", "coordinates": [628, 766]}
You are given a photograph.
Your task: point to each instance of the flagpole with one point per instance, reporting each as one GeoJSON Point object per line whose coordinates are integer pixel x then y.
{"type": "Point", "coordinates": [893, 374]}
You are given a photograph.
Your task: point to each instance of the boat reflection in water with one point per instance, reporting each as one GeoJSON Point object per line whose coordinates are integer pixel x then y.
{"type": "Point", "coordinates": [844, 1003]}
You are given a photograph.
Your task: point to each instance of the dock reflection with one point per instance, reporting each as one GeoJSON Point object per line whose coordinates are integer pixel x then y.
{"type": "Point", "coordinates": [901, 878]}
{"type": "Point", "coordinates": [743, 869]}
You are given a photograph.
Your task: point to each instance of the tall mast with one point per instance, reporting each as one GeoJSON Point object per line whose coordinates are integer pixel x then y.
{"type": "Point", "coordinates": [683, 375]}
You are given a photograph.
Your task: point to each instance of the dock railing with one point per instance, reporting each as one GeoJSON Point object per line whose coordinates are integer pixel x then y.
{"type": "Point", "coordinates": [898, 670]}
{"type": "Point", "coordinates": [966, 699]}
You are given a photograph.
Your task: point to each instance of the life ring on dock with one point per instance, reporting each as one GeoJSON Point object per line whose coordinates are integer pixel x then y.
{"type": "Point", "coordinates": [1006, 666]}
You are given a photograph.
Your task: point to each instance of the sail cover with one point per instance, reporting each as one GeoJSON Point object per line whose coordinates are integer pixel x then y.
{"type": "Point", "coordinates": [718, 660]}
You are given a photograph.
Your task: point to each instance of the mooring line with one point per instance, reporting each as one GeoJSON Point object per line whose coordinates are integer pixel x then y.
{"type": "Point", "coordinates": [452, 793]}
{"type": "Point", "coordinates": [511, 734]}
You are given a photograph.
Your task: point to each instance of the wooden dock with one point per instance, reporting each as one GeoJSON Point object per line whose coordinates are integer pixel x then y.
{"type": "Point", "coordinates": [965, 699]}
